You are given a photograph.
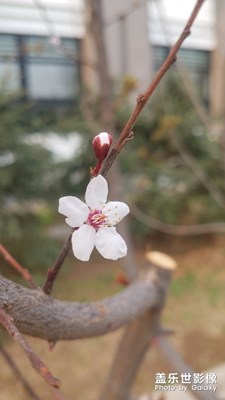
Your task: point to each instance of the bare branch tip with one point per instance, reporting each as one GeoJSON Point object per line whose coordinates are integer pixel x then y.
{"type": "Point", "coordinates": [140, 98]}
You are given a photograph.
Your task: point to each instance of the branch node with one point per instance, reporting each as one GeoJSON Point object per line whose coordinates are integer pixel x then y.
{"type": "Point", "coordinates": [187, 32]}
{"type": "Point", "coordinates": [141, 99]}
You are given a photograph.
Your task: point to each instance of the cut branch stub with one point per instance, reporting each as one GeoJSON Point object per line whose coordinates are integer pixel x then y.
{"type": "Point", "coordinates": [161, 260]}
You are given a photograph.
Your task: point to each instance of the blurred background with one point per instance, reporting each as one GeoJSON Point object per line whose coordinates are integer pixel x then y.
{"type": "Point", "coordinates": [66, 76]}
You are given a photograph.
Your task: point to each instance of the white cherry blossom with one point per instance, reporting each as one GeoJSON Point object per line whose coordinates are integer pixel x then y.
{"type": "Point", "coordinates": [94, 221]}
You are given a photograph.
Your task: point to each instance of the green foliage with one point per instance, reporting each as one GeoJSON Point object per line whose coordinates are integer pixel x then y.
{"type": "Point", "coordinates": [26, 179]}
{"type": "Point", "coordinates": [159, 180]}
{"type": "Point", "coordinates": [32, 180]}
{"type": "Point", "coordinates": [183, 284]}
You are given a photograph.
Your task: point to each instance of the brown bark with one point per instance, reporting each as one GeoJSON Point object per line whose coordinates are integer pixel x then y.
{"type": "Point", "coordinates": [131, 351]}
{"type": "Point", "coordinates": [37, 314]}
{"type": "Point", "coordinates": [137, 337]}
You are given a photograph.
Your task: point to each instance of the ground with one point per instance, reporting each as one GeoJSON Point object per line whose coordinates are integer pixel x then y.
{"type": "Point", "coordinates": [194, 309]}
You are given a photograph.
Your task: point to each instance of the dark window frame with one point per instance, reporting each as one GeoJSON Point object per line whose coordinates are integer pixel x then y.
{"type": "Point", "coordinates": [22, 59]}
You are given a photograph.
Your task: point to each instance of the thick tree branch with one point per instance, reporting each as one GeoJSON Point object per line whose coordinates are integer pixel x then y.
{"type": "Point", "coordinates": [137, 338]}
{"type": "Point", "coordinates": [36, 314]}
{"type": "Point", "coordinates": [130, 353]}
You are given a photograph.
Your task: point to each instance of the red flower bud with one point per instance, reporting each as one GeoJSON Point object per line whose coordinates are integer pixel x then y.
{"type": "Point", "coordinates": [101, 144]}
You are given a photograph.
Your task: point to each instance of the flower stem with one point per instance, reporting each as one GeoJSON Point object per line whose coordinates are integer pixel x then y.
{"type": "Point", "coordinates": [95, 171]}
{"type": "Point", "coordinates": [54, 270]}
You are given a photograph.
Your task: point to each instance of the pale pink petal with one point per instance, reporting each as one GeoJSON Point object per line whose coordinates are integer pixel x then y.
{"type": "Point", "coordinates": [83, 241]}
{"type": "Point", "coordinates": [105, 138]}
{"type": "Point", "coordinates": [74, 209]}
{"type": "Point", "coordinates": [115, 211]}
{"type": "Point", "coordinates": [110, 244]}
{"type": "Point", "coordinates": [96, 193]}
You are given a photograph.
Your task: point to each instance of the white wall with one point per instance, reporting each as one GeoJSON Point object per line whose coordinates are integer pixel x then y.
{"type": "Point", "coordinates": [127, 44]}
{"type": "Point", "coordinates": [168, 17]}
{"type": "Point", "coordinates": [65, 17]}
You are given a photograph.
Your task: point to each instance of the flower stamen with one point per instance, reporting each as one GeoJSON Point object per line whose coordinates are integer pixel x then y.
{"type": "Point", "coordinates": [96, 218]}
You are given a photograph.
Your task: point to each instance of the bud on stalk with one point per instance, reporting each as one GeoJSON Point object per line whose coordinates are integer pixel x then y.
{"type": "Point", "coordinates": [101, 144]}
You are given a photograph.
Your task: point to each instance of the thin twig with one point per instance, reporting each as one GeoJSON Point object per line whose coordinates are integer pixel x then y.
{"type": "Point", "coordinates": [143, 98]}
{"type": "Point", "coordinates": [18, 267]}
{"type": "Point", "coordinates": [7, 321]}
{"type": "Point", "coordinates": [176, 230]}
{"type": "Point", "coordinates": [54, 270]}
{"type": "Point", "coordinates": [191, 161]}
{"type": "Point", "coordinates": [18, 374]}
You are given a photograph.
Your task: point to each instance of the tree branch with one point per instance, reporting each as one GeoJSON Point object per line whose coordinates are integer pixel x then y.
{"type": "Point", "coordinates": [18, 374]}
{"type": "Point", "coordinates": [179, 365]}
{"type": "Point", "coordinates": [176, 230]}
{"type": "Point", "coordinates": [8, 323]}
{"type": "Point", "coordinates": [185, 75]}
{"type": "Point", "coordinates": [143, 98]}
{"type": "Point", "coordinates": [54, 270]}
{"type": "Point", "coordinates": [127, 132]}
{"type": "Point", "coordinates": [18, 267]}
{"type": "Point", "coordinates": [36, 314]}
{"type": "Point", "coordinates": [137, 339]}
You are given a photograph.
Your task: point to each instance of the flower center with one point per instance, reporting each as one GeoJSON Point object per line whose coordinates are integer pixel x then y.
{"type": "Point", "coordinates": [96, 219]}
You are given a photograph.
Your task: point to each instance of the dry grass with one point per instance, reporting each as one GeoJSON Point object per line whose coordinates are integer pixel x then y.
{"type": "Point", "coordinates": [195, 309]}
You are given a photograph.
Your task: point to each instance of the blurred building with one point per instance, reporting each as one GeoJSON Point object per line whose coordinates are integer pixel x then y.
{"type": "Point", "coordinates": [40, 43]}
{"type": "Point", "coordinates": [39, 48]}
{"type": "Point", "coordinates": [166, 21]}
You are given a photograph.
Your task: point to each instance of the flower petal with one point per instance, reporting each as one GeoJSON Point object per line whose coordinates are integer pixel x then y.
{"type": "Point", "coordinates": [74, 209]}
{"type": "Point", "coordinates": [83, 241]}
{"type": "Point", "coordinates": [110, 244]}
{"type": "Point", "coordinates": [115, 211]}
{"type": "Point", "coordinates": [96, 193]}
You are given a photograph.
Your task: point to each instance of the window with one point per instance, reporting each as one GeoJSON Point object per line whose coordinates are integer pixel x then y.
{"type": "Point", "coordinates": [9, 67]}
{"type": "Point", "coordinates": [43, 70]}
